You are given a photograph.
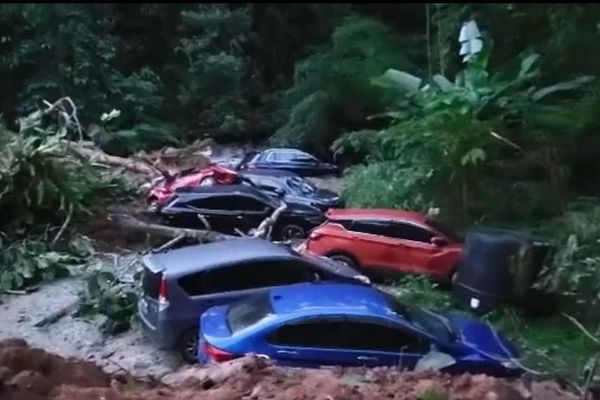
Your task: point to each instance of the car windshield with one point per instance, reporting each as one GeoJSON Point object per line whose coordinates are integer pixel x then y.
{"type": "Point", "coordinates": [300, 156]}
{"type": "Point", "coordinates": [444, 230]}
{"type": "Point", "coordinates": [435, 325]}
{"type": "Point", "coordinates": [247, 312]}
{"type": "Point", "coordinates": [299, 185]}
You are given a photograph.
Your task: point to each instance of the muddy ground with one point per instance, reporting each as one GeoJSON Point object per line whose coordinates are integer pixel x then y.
{"type": "Point", "coordinates": [32, 374]}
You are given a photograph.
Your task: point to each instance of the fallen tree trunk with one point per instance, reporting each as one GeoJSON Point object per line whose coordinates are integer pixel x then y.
{"type": "Point", "coordinates": [132, 223]}
{"type": "Point", "coordinates": [93, 154]}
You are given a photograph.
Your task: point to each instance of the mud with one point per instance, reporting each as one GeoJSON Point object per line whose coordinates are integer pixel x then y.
{"type": "Point", "coordinates": [33, 374]}
{"type": "Point", "coordinates": [132, 351]}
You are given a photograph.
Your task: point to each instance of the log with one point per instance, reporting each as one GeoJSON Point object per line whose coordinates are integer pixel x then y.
{"type": "Point", "coordinates": [132, 223]}
{"type": "Point", "coordinates": [96, 155]}
{"type": "Point", "coordinates": [55, 316]}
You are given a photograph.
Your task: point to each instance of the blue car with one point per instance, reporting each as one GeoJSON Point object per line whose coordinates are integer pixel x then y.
{"type": "Point", "coordinates": [313, 325]}
{"type": "Point", "coordinates": [284, 159]}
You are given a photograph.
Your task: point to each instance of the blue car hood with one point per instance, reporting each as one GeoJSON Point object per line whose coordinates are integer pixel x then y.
{"type": "Point", "coordinates": [483, 339]}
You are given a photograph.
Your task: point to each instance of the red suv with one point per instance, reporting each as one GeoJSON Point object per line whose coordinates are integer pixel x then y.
{"type": "Point", "coordinates": [387, 241]}
{"type": "Point", "coordinates": [165, 187]}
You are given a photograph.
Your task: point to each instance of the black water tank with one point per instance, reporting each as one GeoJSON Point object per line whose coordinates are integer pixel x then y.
{"type": "Point", "coordinates": [499, 266]}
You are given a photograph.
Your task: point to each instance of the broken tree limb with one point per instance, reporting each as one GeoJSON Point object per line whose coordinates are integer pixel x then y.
{"type": "Point", "coordinates": [132, 223]}
{"type": "Point", "coordinates": [266, 226]}
{"type": "Point", "coordinates": [581, 328]}
{"type": "Point", "coordinates": [55, 316]}
{"type": "Point", "coordinates": [170, 243]}
{"type": "Point", "coordinates": [63, 227]}
{"type": "Point", "coordinates": [98, 156]}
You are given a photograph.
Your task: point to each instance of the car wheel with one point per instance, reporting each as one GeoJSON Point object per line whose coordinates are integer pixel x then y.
{"type": "Point", "coordinates": [292, 231]}
{"type": "Point", "coordinates": [344, 260]}
{"type": "Point", "coordinates": [188, 346]}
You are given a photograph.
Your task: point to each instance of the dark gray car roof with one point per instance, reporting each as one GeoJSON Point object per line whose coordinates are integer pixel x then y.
{"type": "Point", "coordinates": [202, 256]}
{"type": "Point", "coordinates": [217, 190]}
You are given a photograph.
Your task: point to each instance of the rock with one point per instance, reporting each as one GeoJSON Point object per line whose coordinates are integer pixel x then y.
{"type": "Point", "coordinates": [141, 364]}
{"type": "Point", "coordinates": [107, 353]}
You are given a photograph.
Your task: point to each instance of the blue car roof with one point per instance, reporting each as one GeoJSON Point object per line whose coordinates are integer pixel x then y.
{"type": "Point", "coordinates": [329, 299]}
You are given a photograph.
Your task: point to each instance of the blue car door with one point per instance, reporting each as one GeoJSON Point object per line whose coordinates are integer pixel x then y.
{"type": "Point", "coordinates": [310, 342]}
{"type": "Point", "coordinates": [379, 342]}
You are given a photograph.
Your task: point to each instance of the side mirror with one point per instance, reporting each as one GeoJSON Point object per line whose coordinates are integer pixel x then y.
{"type": "Point", "coordinates": [439, 241]}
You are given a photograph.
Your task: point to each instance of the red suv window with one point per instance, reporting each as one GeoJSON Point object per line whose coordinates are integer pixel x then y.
{"type": "Point", "coordinates": [396, 230]}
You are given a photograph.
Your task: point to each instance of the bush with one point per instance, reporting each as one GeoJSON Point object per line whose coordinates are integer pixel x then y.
{"type": "Point", "coordinates": [384, 185]}
{"type": "Point", "coordinates": [336, 81]}
{"type": "Point", "coordinates": [309, 124]}
{"type": "Point", "coordinates": [574, 273]}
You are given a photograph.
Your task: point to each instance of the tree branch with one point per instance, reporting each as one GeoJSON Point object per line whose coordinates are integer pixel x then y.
{"type": "Point", "coordinates": [581, 328]}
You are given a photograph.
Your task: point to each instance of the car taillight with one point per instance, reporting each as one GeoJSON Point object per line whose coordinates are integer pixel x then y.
{"type": "Point", "coordinates": [217, 355]}
{"type": "Point", "coordinates": [162, 292]}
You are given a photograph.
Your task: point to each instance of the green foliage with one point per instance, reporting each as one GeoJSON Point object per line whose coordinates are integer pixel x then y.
{"type": "Point", "coordinates": [551, 345]}
{"type": "Point", "coordinates": [383, 184]}
{"type": "Point", "coordinates": [419, 290]}
{"type": "Point", "coordinates": [69, 49]}
{"type": "Point", "coordinates": [109, 298]}
{"type": "Point", "coordinates": [337, 78]}
{"type": "Point", "coordinates": [143, 136]}
{"type": "Point", "coordinates": [440, 141]}
{"type": "Point", "coordinates": [575, 270]}
{"type": "Point", "coordinates": [309, 124]}
{"type": "Point", "coordinates": [213, 91]}
{"type": "Point", "coordinates": [27, 262]}
{"type": "Point", "coordinates": [42, 183]}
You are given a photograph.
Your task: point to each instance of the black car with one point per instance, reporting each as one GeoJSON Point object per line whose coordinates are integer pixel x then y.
{"type": "Point", "coordinates": [292, 188]}
{"type": "Point", "coordinates": [227, 207]}
{"type": "Point", "coordinates": [285, 159]}
{"type": "Point", "coordinates": [178, 285]}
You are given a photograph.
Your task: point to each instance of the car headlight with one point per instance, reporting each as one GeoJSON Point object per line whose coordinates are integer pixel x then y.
{"type": "Point", "coordinates": [208, 182]}
{"type": "Point", "coordinates": [510, 364]}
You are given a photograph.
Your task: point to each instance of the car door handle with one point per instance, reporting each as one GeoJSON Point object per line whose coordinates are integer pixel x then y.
{"type": "Point", "coordinates": [287, 352]}
{"type": "Point", "coordinates": [366, 358]}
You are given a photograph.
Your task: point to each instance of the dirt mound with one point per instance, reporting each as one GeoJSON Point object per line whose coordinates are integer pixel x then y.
{"type": "Point", "coordinates": [32, 374]}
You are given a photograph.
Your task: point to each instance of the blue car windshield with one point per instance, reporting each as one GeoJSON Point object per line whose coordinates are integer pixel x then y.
{"type": "Point", "coordinates": [247, 312]}
{"type": "Point", "coordinates": [435, 325]}
{"type": "Point", "coordinates": [299, 185]}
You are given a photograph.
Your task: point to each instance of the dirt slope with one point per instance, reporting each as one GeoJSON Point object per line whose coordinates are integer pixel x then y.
{"type": "Point", "coordinates": [33, 374]}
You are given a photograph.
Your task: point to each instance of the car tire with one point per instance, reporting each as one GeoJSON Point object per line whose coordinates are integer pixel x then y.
{"type": "Point", "coordinates": [292, 231]}
{"type": "Point", "coordinates": [188, 346]}
{"type": "Point", "coordinates": [344, 260]}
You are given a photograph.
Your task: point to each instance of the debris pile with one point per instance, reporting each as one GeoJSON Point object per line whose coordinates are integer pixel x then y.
{"type": "Point", "coordinates": [33, 374]}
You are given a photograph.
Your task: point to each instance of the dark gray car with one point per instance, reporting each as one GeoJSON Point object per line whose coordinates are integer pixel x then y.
{"type": "Point", "coordinates": [178, 285]}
